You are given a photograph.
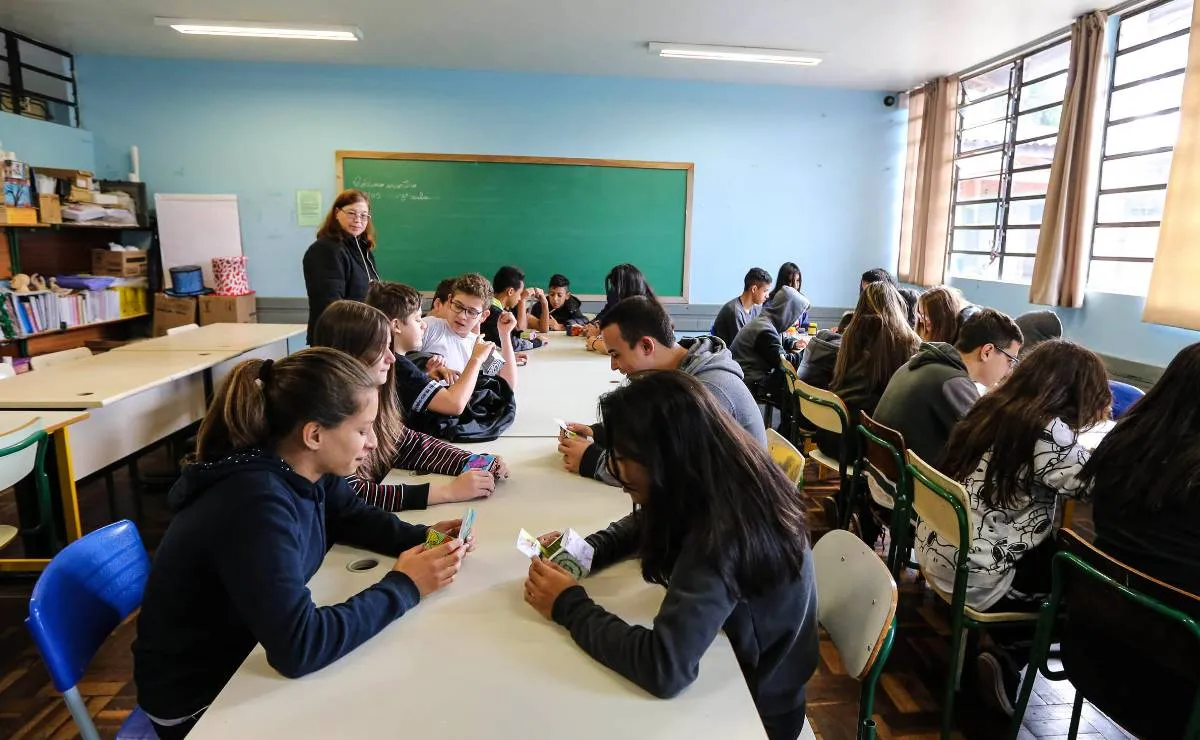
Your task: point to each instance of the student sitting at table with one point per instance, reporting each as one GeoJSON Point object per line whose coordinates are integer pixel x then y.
{"type": "Point", "coordinates": [789, 275]}
{"type": "Point", "coordinates": [738, 312]}
{"type": "Point", "coordinates": [1016, 452]}
{"type": "Point", "coordinates": [1037, 327]}
{"type": "Point", "coordinates": [911, 298]}
{"type": "Point", "coordinates": [717, 524]}
{"type": "Point", "coordinates": [264, 498]}
{"type": "Point", "coordinates": [623, 281]}
{"type": "Point", "coordinates": [1145, 479]}
{"type": "Point", "coordinates": [366, 334]}
{"type": "Point", "coordinates": [509, 296]}
{"type": "Point", "coordinates": [759, 346]}
{"type": "Point", "coordinates": [441, 297]}
{"type": "Point", "coordinates": [564, 309]}
{"type": "Point", "coordinates": [937, 314]}
{"type": "Point", "coordinates": [639, 338]}
{"type": "Point", "coordinates": [460, 318]}
{"type": "Point", "coordinates": [877, 275]}
{"type": "Point", "coordinates": [820, 355]}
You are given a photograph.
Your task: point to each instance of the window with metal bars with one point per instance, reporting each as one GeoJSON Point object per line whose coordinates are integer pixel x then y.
{"type": "Point", "coordinates": [37, 80]}
{"type": "Point", "coordinates": [1008, 119]}
{"type": "Point", "coordinates": [1140, 128]}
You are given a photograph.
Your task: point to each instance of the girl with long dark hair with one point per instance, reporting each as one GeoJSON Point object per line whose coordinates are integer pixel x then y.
{"type": "Point", "coordinates": [623, 281]}
{"type": "Point", "coordinates": [717, 524]}
{"type": "Point", "coordinates": [789, 275]}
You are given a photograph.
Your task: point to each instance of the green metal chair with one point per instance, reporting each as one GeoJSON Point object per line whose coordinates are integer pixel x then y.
{"type": "Point", "coordinates": [829, 413]}
{"type": "Point", "coordinates": [1128, 624]}
{"type": "Point", "coordinates": [857, 607]}
{"type": "Point", "coordinates": [23, 452]}
{"type": "Point", "coordinates": [942, 505]}
{"type": "Point", "coordinates": [882, 461]}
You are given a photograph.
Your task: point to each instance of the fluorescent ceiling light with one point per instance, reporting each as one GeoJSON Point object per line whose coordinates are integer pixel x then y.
{"type": "Point", "coordinates": [734, 54]}
{"type": "Point", "coordinates": [253, 29]}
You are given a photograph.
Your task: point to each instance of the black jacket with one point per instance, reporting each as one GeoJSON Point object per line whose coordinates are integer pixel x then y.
{"type": "Point", "coordinates": [232, 571]}
{"type": "Point", "coordinates": [568, 314]}
{"type": "Point", "coordinates": [774, 635]}
{"type": "Point", "coordinates": [819, 359]}
{"type": "Point", "coordinates": [334, 270]}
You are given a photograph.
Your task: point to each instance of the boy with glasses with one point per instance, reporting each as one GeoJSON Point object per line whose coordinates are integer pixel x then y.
{"type": "Point", "coordinates": [447, 335]}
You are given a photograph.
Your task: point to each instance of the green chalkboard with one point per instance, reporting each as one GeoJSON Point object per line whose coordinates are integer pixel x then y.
{"type": "Point", "coordinates": [439, 215]}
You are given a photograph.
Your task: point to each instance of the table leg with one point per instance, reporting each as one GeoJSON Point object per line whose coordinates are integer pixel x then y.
{"type": "Point", "coordinates": [68, 495]}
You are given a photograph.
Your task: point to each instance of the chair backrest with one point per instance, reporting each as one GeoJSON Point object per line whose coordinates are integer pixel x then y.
{"type": "Point", "coordinates": [7, 371]}
{"type": "Point", "coordinates": [883, 449]}
{"type": "Point", "coordinates": [84, 593]}
{"type": "Point", "coordinates": [41, 362]}
{"type": "Point", "coordinates": [822, 408]}
{"type": "Point", "coordinates": [856, 598]}
{"type": "Point", "coordinates": [181, 329]}
{"type": "Point", "coordinates": [940, 502]}
{"type": "Point", "coordinates": [785, 454]}
{"type": "Point", "coordinates": [1129, 625]}
{"type": "Point", "coordinates": [1124, 396]}
{"type": "Point", "coordinates": [19, 450]}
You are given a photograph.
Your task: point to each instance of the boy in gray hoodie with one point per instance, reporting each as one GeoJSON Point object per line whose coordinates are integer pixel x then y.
{"type": "Point", "coordinates": [640, 337]}
{"type": "Point", "coordinates": [762, 342]}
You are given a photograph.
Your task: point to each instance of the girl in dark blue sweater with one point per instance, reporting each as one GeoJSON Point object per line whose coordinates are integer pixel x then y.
{"type": "Point", "coordinates": [263, 501]}
{"type": "Point", "coordinates": [720, 526]}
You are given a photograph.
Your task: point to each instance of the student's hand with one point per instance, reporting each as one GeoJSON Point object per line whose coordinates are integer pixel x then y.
{"type": "Point", "coordinates": [500, 468]}
{"type": "Point", "coordinates": [572, 452]}
{"type": "Point", "coordinates": [542, 337]}
{"type": "Point", "coordinates": [548, 538]}
{"type": "Point", "coordinates": [506, 323]}
{"type": "Point", "coordinates": [452, 527]}
{"type": "Point", "coordinates": [471, 485]}
{"type": "Point", "coordinates": [482, 349]}
{"type": "Point", "coordinates": [554, 325]}
{"type": "Point", "coordinates": [445, 374]}
{"type": "Point", "coordinates": [583, 429]}
{"type": "Point", "coordinates": [434, 569]}
{"type": "Point", "coordinates": [433, 363]}
{"type": "Point", "coordinates": [527, 293]}
{"type": "Point", "coordinates": [545, 582]}
{"type": "Point", "coordinates": [591, 330]}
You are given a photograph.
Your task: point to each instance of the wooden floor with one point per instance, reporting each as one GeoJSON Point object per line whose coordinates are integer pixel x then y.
{"type": "Point", "coordinates": [906, 705]}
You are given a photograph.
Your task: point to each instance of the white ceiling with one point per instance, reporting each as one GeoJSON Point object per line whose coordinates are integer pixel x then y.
{"type": "Point", "coordinates": [868, 44]}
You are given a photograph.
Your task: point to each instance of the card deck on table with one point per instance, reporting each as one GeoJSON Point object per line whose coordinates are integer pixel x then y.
{"type": "Point", "coordinates": [468, 522]}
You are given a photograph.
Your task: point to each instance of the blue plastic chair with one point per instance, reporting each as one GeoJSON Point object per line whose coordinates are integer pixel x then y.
{"type": "Point", "coordinates": [88, 589]}
{"type": "Point", "coordinates": [1124, 396]}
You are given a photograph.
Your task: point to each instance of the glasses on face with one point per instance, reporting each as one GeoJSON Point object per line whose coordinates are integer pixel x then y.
{"type": "Point", "coordinates": [462, 310]}
{"type": "Point", "coordinates": [352, 216]}
{"type": "Point", "coordinates": [1012, 359]}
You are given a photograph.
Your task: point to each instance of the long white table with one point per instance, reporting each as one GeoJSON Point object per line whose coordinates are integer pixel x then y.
{"type": "Point", "coordinates": [561, 381]}
{"type": "Point", "coordinates": [476, 661]}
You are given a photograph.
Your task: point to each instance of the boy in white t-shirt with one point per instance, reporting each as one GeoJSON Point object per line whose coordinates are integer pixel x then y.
{"type": "Point", "coordinates": [459, 318]}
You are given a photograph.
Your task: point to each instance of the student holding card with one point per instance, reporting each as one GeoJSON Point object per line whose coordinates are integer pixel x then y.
{"type": "Point", "coordinates": [366, 334]}
{"type": "Point", "coordinates": [264, 498]}
{"type": "Point", "coordinates": [720, 527]}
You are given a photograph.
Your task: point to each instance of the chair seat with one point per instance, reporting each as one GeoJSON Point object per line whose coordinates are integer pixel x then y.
{"type": "Point", "coordinates": [137, 726]}
{"type": "Point", "coordinates": [878, 494]}
{"type": "Point", "coordinates": [7, 534]}
{"type": "Point", "coordinates": [826, 461]}
{"type": "Point", "coordinates": [984, 617]}
{"type": "Point", "coordinates": [807, 733]}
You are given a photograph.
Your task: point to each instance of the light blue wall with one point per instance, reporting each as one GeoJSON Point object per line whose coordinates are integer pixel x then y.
{"type": "Point", "coordinates": [782, 173]}
{"type": "Point", "coordinates": [47, 144]}
{"type": "Point", "coordinates": [1108, 323]}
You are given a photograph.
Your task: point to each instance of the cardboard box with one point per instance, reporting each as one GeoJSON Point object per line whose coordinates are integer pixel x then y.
{"type": "Point", "coordinates": [49, 209]}
{"type": "Point", "coordinates": [171, 312]}
{"type": "Point", "coordinates": [10, 216]}
{"type": "Point", "coordinates": [119, 264]}
{"type": "Point", "coordinates": [228, 309]}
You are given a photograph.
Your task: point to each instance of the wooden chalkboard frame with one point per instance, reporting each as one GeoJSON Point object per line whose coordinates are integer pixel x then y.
{"type": "Point", "coordinates": [343, 154]}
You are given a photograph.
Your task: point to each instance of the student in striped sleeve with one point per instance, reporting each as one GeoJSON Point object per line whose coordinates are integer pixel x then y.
{"type": "Point", "coordinates": [365, 333]}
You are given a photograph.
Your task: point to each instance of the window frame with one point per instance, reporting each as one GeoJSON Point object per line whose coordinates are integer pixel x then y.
{"type": "Point", "coordinates": [10, 56]}
{"type": "Point", "coordinates": [1008, 152]}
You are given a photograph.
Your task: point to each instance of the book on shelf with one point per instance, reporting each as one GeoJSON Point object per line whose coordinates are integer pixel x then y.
{"type": "Point", "coordinates": [35, 312]}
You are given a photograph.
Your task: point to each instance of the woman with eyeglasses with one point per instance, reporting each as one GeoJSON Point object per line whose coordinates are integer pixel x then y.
{"type": "Point", "coordinates": [340, 264]}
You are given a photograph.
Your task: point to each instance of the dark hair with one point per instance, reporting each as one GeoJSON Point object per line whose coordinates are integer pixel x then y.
{"type": "Point", "coordinates": [559, 281]}
{"type": "Point", "coordinates": [1151, 460]}
{"type": "Point", "coordinates": [988, 326]}
{"type": "Point", "coordinates": [756, 276]}
{"type": "Point", "coordinates": [844, 322]}
{"type": "Point", "coordinates": [940, 307]}
{"type": "Point", "coordinates": [639, 316]}
{"type": "Point", "coordinates": [508, 277]}
{"type": "Point", "coordinates": [911, 297]}
{"type": "Point", "coordinates": [475, 285]}
{"type": "Point", "coordinates": [624, 281]}
{"type": "Point", "coordinates": [710, 482]}
{"type": "Point", "coordinates": [1058, 380]}
{"type": "Point", "coordinates": [877, 341]}
{"type": "Point", "coordinates": [444, 290]}
{"type": "Point", "coordinates": [395, 300]}
{"type": "Point", "coordinates": [787, 272]}
{"type": "Point", "coordinates": [331, 229]}
{"type": "Point", "coordinates": [879, 275]}
{"type": "Point", "coordinates": [365, 333]}
{"type": "Point", "coordinates": [261, 402]}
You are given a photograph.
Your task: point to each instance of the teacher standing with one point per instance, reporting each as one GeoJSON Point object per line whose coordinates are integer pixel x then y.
{"type": "Point", "coordinates": [340, 264]}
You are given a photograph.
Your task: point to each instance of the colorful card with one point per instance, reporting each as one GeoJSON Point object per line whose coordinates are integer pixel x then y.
{"type": "Point", "coordinates": [479, 462]}
{"type": "Point", "coordinates": [434, 538]}
{"type": "Point", "coordinates": [468, 523]}
{"type": "Point", "coordinates": [563, 426]}
{"type": "Point", "coordinates": [529, 545]}
{"type": "Point", "coordinates": [571, 552]}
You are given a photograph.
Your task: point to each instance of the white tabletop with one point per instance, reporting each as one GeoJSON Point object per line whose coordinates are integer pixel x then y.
{"type": "Point", "coordinates": [223, 337]}
{"type": "Point", "coordinates": [476, 661]}
{"type": "Point", "coordinates": [102, 380]}
{"type": "Point", "coordinates": [561, 381]}
{"type": "Point", "coordinates": [52, 421]}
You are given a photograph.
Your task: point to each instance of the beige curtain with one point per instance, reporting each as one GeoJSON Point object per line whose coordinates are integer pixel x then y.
{"type": "Point", "coordinates": [1064, 243]}
{"type": "Point", "coordinates": [928, 175]}
{"type": "Point", "coordinates": [1173, 298]}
